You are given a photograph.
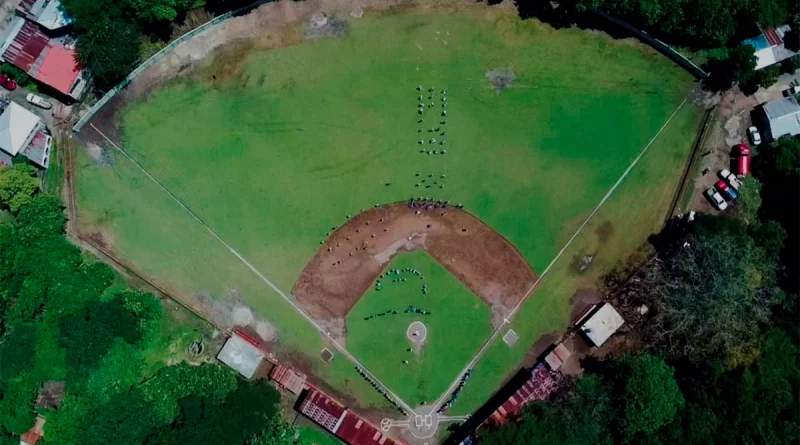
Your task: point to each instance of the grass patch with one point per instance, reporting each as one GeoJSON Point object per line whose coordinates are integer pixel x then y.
{"type": "Point", "coordinates": [457, 325]}
{"type": "Point", "coordinates": [53, 179]}
{"type": "Point", "coordinates": [308, 435]}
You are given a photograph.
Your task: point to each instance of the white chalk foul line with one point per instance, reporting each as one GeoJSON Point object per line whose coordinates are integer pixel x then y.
{"type": "Point", "coordinates": [527, 293]}
{"type": "Point", "coordinates": [260, 275]}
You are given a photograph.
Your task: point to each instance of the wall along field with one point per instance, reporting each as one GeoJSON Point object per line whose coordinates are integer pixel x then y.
{"type": "Point", "coordinates": [275, 156]}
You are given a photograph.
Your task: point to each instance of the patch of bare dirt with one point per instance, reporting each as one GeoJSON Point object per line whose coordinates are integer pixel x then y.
{"type": "Point", "coordinates": [355, 254]}
{"type": "Point", "coordinates": [501, 79]}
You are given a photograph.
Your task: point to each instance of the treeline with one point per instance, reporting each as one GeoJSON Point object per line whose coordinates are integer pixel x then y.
{"type": "Point", "coordinates": [713, 29]}
{"type": "Point", "coordinates": [715, 360]}
{"type": "Point", "coordinates": [114, 36]}
{"type": "Point", "coordinates": [65, 317]}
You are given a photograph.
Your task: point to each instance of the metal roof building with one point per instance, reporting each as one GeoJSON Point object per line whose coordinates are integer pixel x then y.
{"type": "Point", "coordinates": [47, 13]}
{"type": "Point", "coordinates": [602, 324]}
{"type": "Point", "coordinates": [50, 61]}
{"type": "Point", "coordinates": [288, 379]}
{"type": "Point", "coordinates": [22, 133]}
{"type": "Point", "coordinates": [241, 355]}
{"type": "Point", "coordinates": [782, 117]}
{"type": "Point", "coordinates": [337, 419]}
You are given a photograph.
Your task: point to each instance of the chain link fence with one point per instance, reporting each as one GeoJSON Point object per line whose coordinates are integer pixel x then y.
{"type": "Point", "coordinates": [146, 64]}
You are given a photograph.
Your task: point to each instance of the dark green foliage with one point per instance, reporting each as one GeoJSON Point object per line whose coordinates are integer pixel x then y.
{"type": "Point", "coordinates": [244, 413]}
{"type": "Point", "coordinates": [652, 398]}
{"type": "Point", "coordinates": [88, 334]}
{"type": "Point", "coordinates": [110, 49]}
{"type": "Point", "coordinates": [738, 67]}
{"type": "Point", "coordinates": [17, 397]}
{"type": "Point", "coordinates": [16, 351]}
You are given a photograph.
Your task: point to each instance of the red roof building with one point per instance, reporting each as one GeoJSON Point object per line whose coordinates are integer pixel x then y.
{"type": "Point", "coordinates": [538, 387]}
{"type": "Point", "coordinates": [51, 61]}
{"type": "Point", "coordinates": [288, 379]}
{"type": "Point", "coordinates": [343, 423]}
{"type": "Point", "coordinates": [35, 434]}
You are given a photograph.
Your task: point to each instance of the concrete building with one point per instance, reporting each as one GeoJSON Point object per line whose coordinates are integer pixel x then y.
{"type": "Point", "coordinates": [23, 133]}
{"type": "Point", "coordinates": [601, 324]}
{"type": "Point", "coordinates": [242, 355]}
{"type": "Point", "coordinates": [781, 118]}
{"type": "Point", "coordinates": [46, 13]}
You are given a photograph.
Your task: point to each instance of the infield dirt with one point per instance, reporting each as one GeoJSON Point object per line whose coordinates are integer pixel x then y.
{"type": "Point", "coordinates": [354, 255]}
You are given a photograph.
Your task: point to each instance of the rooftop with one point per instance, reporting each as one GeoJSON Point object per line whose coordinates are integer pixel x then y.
{"type": "Point", "coordinates": [781, 107]}
{"type": "Point", "coordinates": [602, 324]}
{"type": "Point", "coordinates": [538, 387]}
{"type": "Point", "coordinates": [47, 13]}
{"type": "Point", "coordinates": [17, 126]}
{"type": "Point", "coordinates": [356, 431]}
{"type": "Point", "coordinates": [59, 69]}
{"type": "Point", "coordinates": [24, 44]}
{"type": "Point", "coordinates": [323, 410]}
{"type": "Point", "coordinates": [241, 355]}
{"type": "Point", "coordinates": [35, 434]}
{"type": "Point", "coordinates": [288, 379]}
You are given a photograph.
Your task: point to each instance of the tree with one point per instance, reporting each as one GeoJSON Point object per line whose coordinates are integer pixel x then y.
{"type": "Point", "coordinates": [16, 404]}
{"type": "Point", "coordinates": [17, 186]}
{"type": "Point", "coordinates": [110, 49]}
{"type": "Point", "coordinates": [277, 432]}
{"type": "Point", "coordinates": [16, 351]}
{"type": "Point", "coordinates": [749, 199]}
{"type": "Point", "coordinates": [89, 334]}
{"type": "Point", "coordinates": [652, 398]}
{"type": "Point", "coordinates": [709, 292]}
{"type": "Point", "coordinates": [153, 11]}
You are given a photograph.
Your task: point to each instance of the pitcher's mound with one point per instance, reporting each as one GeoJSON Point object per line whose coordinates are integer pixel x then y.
{"type": "Point", "coordinates": [417, 333]}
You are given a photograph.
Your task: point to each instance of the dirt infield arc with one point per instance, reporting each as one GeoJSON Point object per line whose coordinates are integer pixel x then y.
{"type": "Point", "coordinates": [354, 255]}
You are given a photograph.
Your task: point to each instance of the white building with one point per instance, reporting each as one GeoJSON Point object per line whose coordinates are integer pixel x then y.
{"type": "Point", "coordinates": [241, 355]}
{"type": "Point", "coordinates": [602, 324]}
{"type": "Point", "coordinates": [23, 133]}
{"type": "Point", "coordinates": [782, 118]}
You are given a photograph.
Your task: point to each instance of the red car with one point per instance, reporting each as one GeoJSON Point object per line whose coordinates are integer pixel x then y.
{"type": "Point", "coordinates": [7, 82]}
{"type": "Point", "coordinates": [743, 163]}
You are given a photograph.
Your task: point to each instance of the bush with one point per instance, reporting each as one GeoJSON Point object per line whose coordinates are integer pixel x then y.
{"type": "Point", "coordinates": [15, 73]}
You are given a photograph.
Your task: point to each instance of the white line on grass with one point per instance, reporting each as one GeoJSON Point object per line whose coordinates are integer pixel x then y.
{"type": "Point", "coordinates": [263, 278]}
{"type": "Point", "coordinates": [507, 320]}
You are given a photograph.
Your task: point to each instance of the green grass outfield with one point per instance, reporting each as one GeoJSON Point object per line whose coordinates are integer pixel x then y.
{"type": "Point", "coordinates": [458, 323]}
{"type": "Point", "coordinates": [308, 134]}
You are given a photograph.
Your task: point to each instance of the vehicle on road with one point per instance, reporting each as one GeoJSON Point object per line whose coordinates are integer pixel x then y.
{"type": "Point", "coordinates": [754, 135]}
{"type": "Point", "coordinates": [792, 91]}
{"type": "Point", "coordinates": [716, 199]}
{"type": "Point", "coordinates": [7, 82]}
{"type": "Point", "coordinates": [39, 101]}
{"type": "Point", "coordinates": [726, 191]}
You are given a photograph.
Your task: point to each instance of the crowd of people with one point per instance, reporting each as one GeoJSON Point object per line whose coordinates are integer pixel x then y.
{"type": "Point", "coordinates": [454, 396]}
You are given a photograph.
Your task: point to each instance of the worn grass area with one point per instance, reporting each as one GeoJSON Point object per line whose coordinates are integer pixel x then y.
{"type": "Point", "coordinates": [457, 324]}
{"type": "Point", "coordinates": [53, 178]}
{"type": "Point", "coordinates": [614, 237]}
{"type": "Point", "coordinates": [308, 134]}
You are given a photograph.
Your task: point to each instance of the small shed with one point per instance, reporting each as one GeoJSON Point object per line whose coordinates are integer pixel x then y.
{"type": "Point", "coordinates": [288, 379]}
{"type": "Point", "coordinates": [50, 395]}
{"type": "Point", "coordinates": [241, 355]}
{"type": "Point", "coordinates": [557, 356]}
{"type": "Point", "coordinates": [602, 324]}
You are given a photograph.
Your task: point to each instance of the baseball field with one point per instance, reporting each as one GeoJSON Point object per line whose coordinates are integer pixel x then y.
{"type": "Point", "coordinates": [299, 165]}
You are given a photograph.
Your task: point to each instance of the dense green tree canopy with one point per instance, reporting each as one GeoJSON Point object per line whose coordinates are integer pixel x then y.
{"type": "Point", "coordinates": [110, 49]}
{"type": "Point", "coordinates": [652, 398]}
{"type": "Point", "coordinates": [17, 186]}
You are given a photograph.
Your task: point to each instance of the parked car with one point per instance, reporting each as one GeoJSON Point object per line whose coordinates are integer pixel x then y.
{"type": "Point", "coordinates": [733, 181]}
{"type": "Point", "coordinates": [716, 199]}
{"type": "Point", "coordinates": [7, 82]}
{"type": "Point", "coordinates": [743, 161]}
{"type": "Point", "coordinates": [754, 135]}
{"type": "Point", "coordinates": [39, 101]}
{"type": "Point", "coordinates": [792, 91]}
{"type": "Point", "coordinates": [725, 191]}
